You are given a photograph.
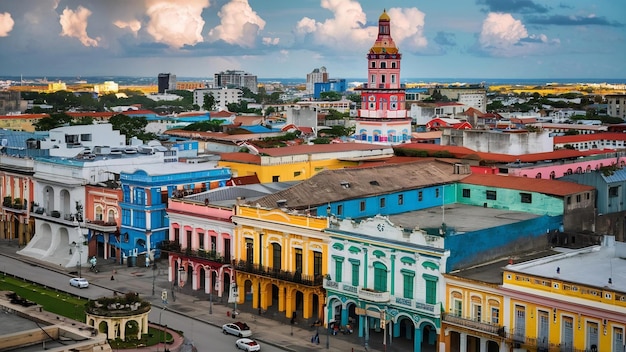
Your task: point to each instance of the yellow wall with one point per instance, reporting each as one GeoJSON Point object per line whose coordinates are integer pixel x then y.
{"type": "Point", "coordinates": [286, 172]}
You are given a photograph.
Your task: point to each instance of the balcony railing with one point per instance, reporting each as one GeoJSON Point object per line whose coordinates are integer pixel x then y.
{"type": "Point", "coordinates": [295, 277]}
{"type": "Point", "coordinates": [467, 322]}
{"type": "Point", "coordinates": [101, 225]}
{"type": "Point", "coordinates": [175, 247]}
{"type": "Point", "coordinates": [372, 295]}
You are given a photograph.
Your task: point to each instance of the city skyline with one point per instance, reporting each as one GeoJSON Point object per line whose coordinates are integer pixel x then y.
{"type": "Point", "coordinates": [196, 38]}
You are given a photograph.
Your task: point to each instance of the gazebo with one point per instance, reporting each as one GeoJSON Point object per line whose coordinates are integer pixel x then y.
{"type": "Point", "coordinates": [120, 317]}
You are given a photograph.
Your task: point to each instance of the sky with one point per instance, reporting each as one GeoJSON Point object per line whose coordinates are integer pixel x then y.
{"type": "Point", "coordinates": [289, 38]}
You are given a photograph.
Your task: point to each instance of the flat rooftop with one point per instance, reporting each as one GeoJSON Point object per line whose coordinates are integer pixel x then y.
{"type": "Point", "coordinates": [460, 217]}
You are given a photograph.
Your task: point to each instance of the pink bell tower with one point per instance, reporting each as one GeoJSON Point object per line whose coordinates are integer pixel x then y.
{"type": "Point", "coordinates": [382, 117]}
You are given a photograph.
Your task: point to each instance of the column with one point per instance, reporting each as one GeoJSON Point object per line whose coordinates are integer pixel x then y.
{"type": "Point", "coordinates": [483, 344]}
{"type": "Point", "coordinates": [393, 274]}
{"type": "Point", "coordinates": [255, 293]}
{"type": "Point", "coordinates": [289, 303]}
{"type": "Point", "coordinates": [365, 269]}
{"type": "Point", "coordinates": [463, 342]}
{"type": "Point", "coordinates": [362, 322]}
{"type": "Point", "coordinates": [306, 309]}
{"type": "Point", "coordinates": [417, 340]}
{"type": "Point", "coordinates": [282, 300]}
{"type": "Point", "coordinates": [344, 316]}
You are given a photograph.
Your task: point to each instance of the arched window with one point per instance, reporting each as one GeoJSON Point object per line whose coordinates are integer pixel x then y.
{"type": "Point", "coordinates": [538, 175]}
{"type": "Point", "coordinates": [111, 217]}
{"type": "Point", "coordinates": [383, 65]}
{"type": "Point", "coordinates": [552, 175]}
{"type": "Point", "coordinates": [98, 213]}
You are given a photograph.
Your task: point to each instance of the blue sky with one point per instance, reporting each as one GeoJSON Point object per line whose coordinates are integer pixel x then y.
{"type": "Point", "coordinates": [289, 38]}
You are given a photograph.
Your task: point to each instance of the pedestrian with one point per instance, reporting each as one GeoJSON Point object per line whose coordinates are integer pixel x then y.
{"type": "Point", "coordinates": [317, 338]}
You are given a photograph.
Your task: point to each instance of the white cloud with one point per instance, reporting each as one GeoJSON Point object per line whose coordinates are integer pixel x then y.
{"type": "Point", "coordinates": [74, 24]}
{"type": "Point", "coordinates": [240, 25]}
{"type": "Point", "coordinates": [501, 31]}
{"type": "Point", "coordinates": [6, 24]}
{"type": "Point", "coordinates": [271, 41]}
{"type": "Point", "coordinates": [407, 28]}
{"type": "Point", "coordinates": [176, 22]}
{"type": "Point", "coordinates": [347, 28]}
{"type": "Point", "coordinates": [133, 25]}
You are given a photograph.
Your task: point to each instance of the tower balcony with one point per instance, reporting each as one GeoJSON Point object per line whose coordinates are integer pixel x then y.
{"type": "Point", "coordinates": [382, 114]}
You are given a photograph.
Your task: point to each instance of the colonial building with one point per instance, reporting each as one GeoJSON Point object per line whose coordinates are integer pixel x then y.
{"type": "Point", "coordinates": [383, 116]}
{"type": "Point", "coordinates": [387, 277]}
{"type": "Point", "coordinates": [281, 259]}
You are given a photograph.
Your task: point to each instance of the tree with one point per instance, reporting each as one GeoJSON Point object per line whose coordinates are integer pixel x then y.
{"type": "Point", "coordinates": [203, 126]}
{"type": "Point", "coordinates": [209, 102]}
{"type": "Point", "coordinates": [54, 121]}
{"type": "Point", "coordinates": [131, 127]}
{"type": "Point", "coordinates": [269, 110]}
{"type": "Point", "coordinates": [330, 96]}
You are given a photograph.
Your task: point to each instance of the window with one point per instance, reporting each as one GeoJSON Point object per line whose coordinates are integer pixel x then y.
{"type": "Point", "coordinates": [526, 197]}
{"type": "Point", "coordinates": [276, 256]}
{"type": "Point", "coordinates": [544, 329]}
{"type": "Point", "coordinates": [338, 269]}
{"type": "Point", "coordinates": [579, 198]}
{"type": "Point", "coordinates": [457, 307]}
{"type": "Point", "coordinates": [592, 336]}
{"type": "Point", "coordinates": [466, 193]}
{"type": "Point", "coordinates": [373, 64]}
{"type": "Point", "coordinates": [383, 65]}
{"type": "Point", "coordinates": [317, 263]}
{"type": "Point", "coordinates": [362, 205]}
{"type": "Point", "coordinates": [355, 273]}
{"type": "Point", "coordinates": [214, 243]}
{"type": "Point", "coordinates": [298, 260]}
{"type": "Point", "coordinates": [340, 209]}
{"type": "Point", "coordinates": [420, 196]}
{"type": "Point", "coordinates": [520, 323]}
{"type": "Point", "coordinates": [98, 213]}
{"type": "Point", "coordinates": [393, 78]}
{"type": "Point", "coordinates": [436, 192]}
{"type": "Point", "coordinates": [393, 64]}
{"type": "Point", "coordinates": [249, 251]}
{"type": "Point", "coordinates": [408, 278]}
{"type": "Point", "coordinates": [382, 78]}
{"type": "Point", "coordinates": [495, 315]}
{"type": "Point", "coordinates": [618, 339]}
{"type": "Point", "coordinates": [613, 191]}
{"type": "Point", "coordinates": [400, 199]}
{"type": "Point", "coordinates": [382, 202]}
{"type": "Point", "coordinates": [200, 240]}
{"type": "Point", "coordinates": [373, 79]}
{"type": "Point", "coordinates": [275, 178]}
{"type": "Point", "coordinates": [380, 277]}
{"type": "Point", "coordinates": [431, 288]}
{"type": "Point", "coordinates": [477, 312]}
{"type": "Point", "coordinates": [491, 195]}
{"type": "Point", "coordinates": [297, 173]}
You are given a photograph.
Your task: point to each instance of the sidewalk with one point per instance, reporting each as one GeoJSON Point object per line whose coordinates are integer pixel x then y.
{"type": "Point", "coordinates": [296, 338]}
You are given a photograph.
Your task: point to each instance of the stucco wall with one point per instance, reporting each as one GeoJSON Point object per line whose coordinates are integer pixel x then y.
{"type": "Point", "coordinates": [511, 199]}
{"type": "Point", "coordinates": [507, 143]}
{"type": "Point", "coordinates": [485, 245]}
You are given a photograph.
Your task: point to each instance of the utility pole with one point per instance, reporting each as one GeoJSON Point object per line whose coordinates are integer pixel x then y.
{"type": "Point", "coordinates": [164, 301]}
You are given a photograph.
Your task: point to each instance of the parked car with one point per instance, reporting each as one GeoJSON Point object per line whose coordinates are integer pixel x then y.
{"type": "Point", "coordinates": [247, 345]}
{"type": "Point", "coordinates": [79, 282]}
{"type": "Point", "coordinates": [238, 329]}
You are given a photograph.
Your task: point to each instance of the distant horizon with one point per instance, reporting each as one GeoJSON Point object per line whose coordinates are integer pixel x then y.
{"type": "Point", "coordinates": [509, 80]}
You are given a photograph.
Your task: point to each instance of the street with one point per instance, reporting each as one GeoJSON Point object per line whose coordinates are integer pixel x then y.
{"type": "Point", "coordinates": [206, 337]}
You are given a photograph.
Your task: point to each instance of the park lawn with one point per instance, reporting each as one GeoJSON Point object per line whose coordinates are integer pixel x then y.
{"type": "Point", "coordinates": [53, 301]}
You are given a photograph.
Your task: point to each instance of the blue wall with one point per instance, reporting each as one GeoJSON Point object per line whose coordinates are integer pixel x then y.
{"type": "Point", "coordinates": [487, 244]}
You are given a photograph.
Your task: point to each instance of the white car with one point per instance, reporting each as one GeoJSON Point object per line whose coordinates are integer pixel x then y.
{"type": "Point", "coordinates": [79, 282]}
{"type": "Point", "coordinates": [247, 345]}
{"type": "Point", "coordinates": [238, 329]}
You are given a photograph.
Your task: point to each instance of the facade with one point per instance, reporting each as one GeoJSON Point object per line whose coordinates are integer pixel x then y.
{"type": "Point", "coordinates": [318, 75]}
{"type": "Point", "coordinates": [223, 97]}
{"type": "Point", "coordinates": [573, 299]}
{"type": "Point", "coordinates": [383, 116]}
{"type": "Point", "coordinates": [145, 193]}
{"type": "Point", "coordinates": [103, 219]}
{"type": "Point", "coordinates": [606, 140]}
{"type": "Point", "coordinates": [616, 105]}
{"type": "Point", "coordinates": [281, 260]}
{"type": "Point", "coordinates": [199, 247]}
{"type": "Point", "coordinates": [383, 276]}
{"type": "Point", "coordinates": [503, 142]}
{"type": "Point", "coordinates": [107, 87]}
{"type": "Point", "coordinates": [166, 81]}
{"type": "Point", "coordinates": [332, 85]}
{"type": "Point", "coordinates": [11, 102]}
{"type": "Point", "coordinates": [236, 79]}
{"type": "Point", "coordinates": [16, 191]}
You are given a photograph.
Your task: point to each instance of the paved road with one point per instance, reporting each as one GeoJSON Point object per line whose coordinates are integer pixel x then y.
{"type": "Point", "coordinates": [205, 337]}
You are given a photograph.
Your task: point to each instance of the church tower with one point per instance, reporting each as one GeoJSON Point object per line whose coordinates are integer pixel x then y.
{"type": "Point", "coordinates": [382, 116]}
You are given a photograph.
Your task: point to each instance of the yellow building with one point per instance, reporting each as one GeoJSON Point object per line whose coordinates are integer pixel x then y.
{"type": "Point", "coordinates": [571, 301]}
{"type": "Point", "coordinates": [300, 162]}
{"type": "Point", "coordinates": [472, 320]}
{"type": "Point", "coordinates": [280, 261]}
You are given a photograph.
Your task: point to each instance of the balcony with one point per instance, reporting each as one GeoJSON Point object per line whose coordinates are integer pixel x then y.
{"type": "Point", "coordinates": [16, 205]}
{"type": "Point", "coordinates": [467, 322]}
{"type": "Point", "coordinates": [295, 277]}
{"type": "Point", "coordinates": [371, 295]}
{"type": "Point", "coordinates": [174, 247]}
{"type": "Point", "coordinates": [66, 219]}
{"type": "Point", "coordinates": [101, 226]}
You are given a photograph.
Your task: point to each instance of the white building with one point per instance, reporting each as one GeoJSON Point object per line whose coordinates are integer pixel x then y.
{"type": "Point", "coordinates": [223, 97]}
{"type": "Point", "coordinates": [70, 141]}
{"type": "Point", "coordinates": [616, 105]}
{"type": "Point", "coordinates": [505, 142]}
{"type": "Point", "coordinates": [477, 101]}
{"type": "Point", "coordinates": [318, 75]}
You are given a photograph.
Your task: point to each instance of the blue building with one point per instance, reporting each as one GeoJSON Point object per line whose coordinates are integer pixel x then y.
{"type": "Point", "coordinates": [145, 193]}
{"type": "Point", "coordinates": [333, 85]}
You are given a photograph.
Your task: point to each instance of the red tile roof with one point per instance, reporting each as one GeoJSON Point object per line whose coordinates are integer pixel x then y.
{"type": "Point", "coordinates": [553, 187]}
{"type": "Point", "coordinates": [23, 116]}
{"type": "Point", "coordinates": [241, 157]}
{"type": "Point", "coordinates": [611, 136]}
{"type": "Point", "coordinates": [104, 115]}
{"type": "Point", "coordinates": [462, 152]}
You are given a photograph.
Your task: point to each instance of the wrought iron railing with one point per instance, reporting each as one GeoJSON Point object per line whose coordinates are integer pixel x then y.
{"type": "Point", "coordinates": [487, 327]}
{"type": "Point", "coordinates": [175, 247]}
{"type": "Point", "coordinates": [291, 276]}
